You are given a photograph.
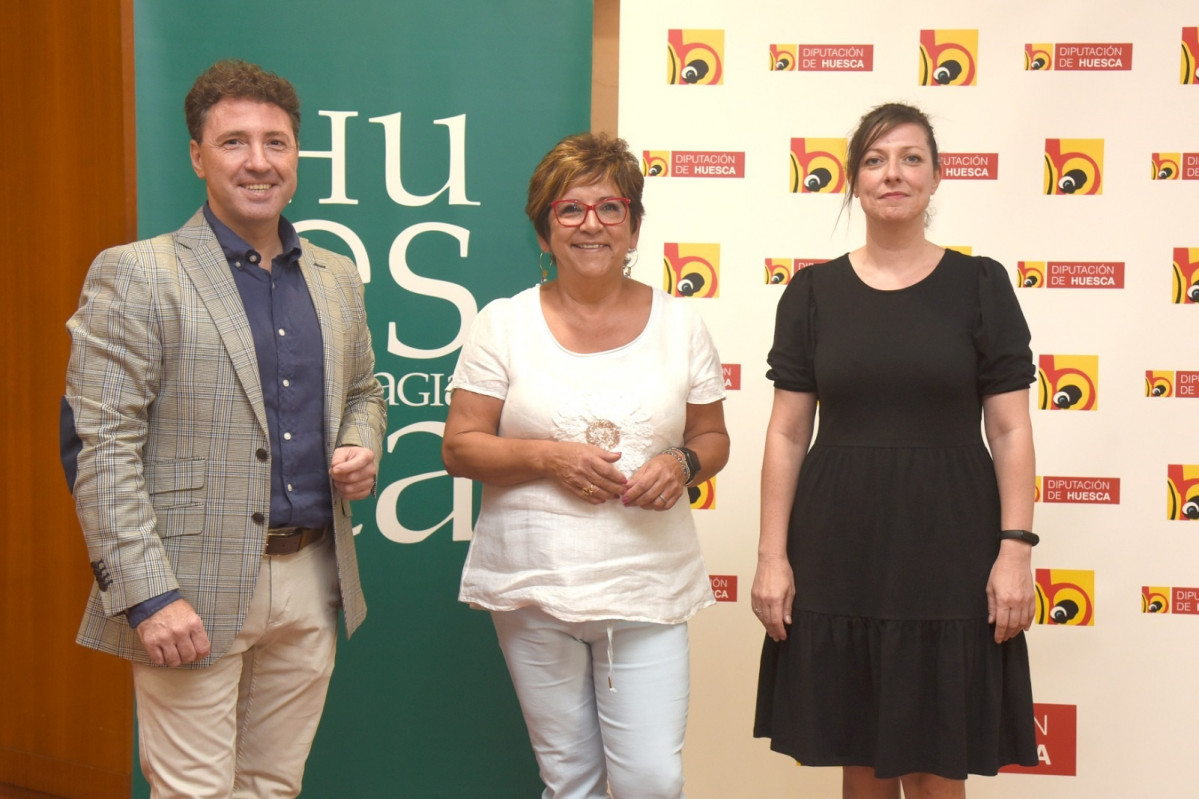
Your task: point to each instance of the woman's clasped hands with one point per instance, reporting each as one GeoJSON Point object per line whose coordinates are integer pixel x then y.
{"type": "Point", "coordinates": [589, 473]}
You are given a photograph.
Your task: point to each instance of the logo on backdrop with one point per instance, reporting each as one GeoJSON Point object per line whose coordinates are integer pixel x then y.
{"type": "Point", "coordinates": [970, 166]}
{"type": "Point", "coordinates": [1068, 382]}
{"type": "Point", "coordinates": [1030, 274]}
{"type": "Point", "coordinates": [1170, 599]}
{"type": "Point", "coordinates": [822, 57]}
{"type": "Point", "coordinates": [948, 57]}
{"type": "Point", "coordinates": [1175, 166]}
{"type": "Point", "coordinates": [732, 376]}
{"type": "Point", "coordinates": [783, 57]}
{"type": "Point", "coordinates": [1070, 274]}
{"type": "Point", "coordinates": [1190, 55]}
{"type": "Point", "coordinates": [1186, 275]}
{"type": "Point", "coordinates": [1078, 57]}
{"type": "Point", "coordinates": [1171, 383]}
{"type": "Point", "coordinates": [1079, 490]}
{"type": "Point", "coordinates": [1065, 597]}
{"type": "Point", "coordinates": [1038, 57]}
{"type": "Point", "coordinates": [695, 57]}
{"type": "Point", "coordinates": [1182, 485]}
{"type": "Point", "coordinates": [780, 270]}
{"type": "Point", "coordinates": [692, 270]}
{"type": "Point", "coordinates": [1057, 741]}
{"type": "Point", "coordinates": [724, 587]}
{"type": "Point", "coordinates": [1156, 599]}
{"type": "Point", "coordinates": [692, 164]}
{"type": "Point", "coordinates": [818, 166]}
{"type": "Point", "coordinates": [655, 163]}
{"type": "Point", "coordinates": [703, 495]}
{"type": "Point", "coordinates": [1159, 383]}
{"type": "Point", "coordinates": [1074, 166]}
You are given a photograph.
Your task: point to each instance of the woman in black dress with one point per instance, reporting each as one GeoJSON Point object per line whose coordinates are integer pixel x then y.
{"type": "Point", "coordinates": [894, 577]}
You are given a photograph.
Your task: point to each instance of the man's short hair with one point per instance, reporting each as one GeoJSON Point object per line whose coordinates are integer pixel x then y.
{"type": "Point", "coordinates": [239, 80]}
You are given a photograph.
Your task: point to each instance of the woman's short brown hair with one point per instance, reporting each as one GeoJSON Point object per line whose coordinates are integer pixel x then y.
{"type": "Point", "coordinates": [586, 158]}
{"type": "Point", "coordinates": [238, 80]}
{"type": "Point", "coordinates": [878, 122]}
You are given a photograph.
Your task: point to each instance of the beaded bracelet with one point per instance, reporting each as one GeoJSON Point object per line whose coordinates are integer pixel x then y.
{"type": "Point", "coordinates": [678, 456]}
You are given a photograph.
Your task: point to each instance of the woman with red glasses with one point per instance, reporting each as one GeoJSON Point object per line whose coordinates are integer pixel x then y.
{"type": "Point", "coordinates": [587, 405]}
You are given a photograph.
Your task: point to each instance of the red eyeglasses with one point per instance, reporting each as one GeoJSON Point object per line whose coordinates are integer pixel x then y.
{"type": "Point", "coordinates": [609, 211]}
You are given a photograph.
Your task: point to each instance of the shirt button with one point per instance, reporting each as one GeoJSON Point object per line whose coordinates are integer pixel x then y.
{"type": "Point", "coordinates": [282, 332]}
{"type": "Point", "coordinates": [261, 454]}
{"type": "Point", "coordinates": [286, 383]}
{"type": "Point", "coordinates": [258, 518]}
{"type": "Point", "coordinates": [287, 436]}
{"type": "Point", "coordinates": [289, 487]}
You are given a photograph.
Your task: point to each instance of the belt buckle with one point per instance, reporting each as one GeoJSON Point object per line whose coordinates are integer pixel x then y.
{"type": "Point", "coordinates": [292, 541]}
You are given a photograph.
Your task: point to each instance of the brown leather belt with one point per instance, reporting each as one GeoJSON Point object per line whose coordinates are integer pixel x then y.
{"type": "Point", "coordinates": [289, 540]}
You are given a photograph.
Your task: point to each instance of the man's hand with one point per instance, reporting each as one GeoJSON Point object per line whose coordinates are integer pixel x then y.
{"type": "Point", "coordinates": [353, 471]}
{"type": "Point", "coordinates": [174, 635]}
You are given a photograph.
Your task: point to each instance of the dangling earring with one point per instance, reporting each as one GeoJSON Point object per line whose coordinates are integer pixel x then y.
{"type": "Point", "coordinates": [630, 260]}
{"type": "Point", "coordinates": [545, 274]}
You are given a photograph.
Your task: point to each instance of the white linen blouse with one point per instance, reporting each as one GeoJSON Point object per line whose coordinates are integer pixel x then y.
{"type": "Point", "coordinates": [538, 544]}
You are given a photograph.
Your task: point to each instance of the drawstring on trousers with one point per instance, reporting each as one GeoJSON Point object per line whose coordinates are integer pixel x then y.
{"type": "Point", "coordinates": [611, 687]}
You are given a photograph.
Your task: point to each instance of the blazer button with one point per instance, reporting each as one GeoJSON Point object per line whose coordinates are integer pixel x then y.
{"type": "Point", "coordinates": [258, 518]}
{"type": "Point", "coordinates": [261, 454]}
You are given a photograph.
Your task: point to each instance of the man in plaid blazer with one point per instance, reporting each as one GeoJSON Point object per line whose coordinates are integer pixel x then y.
{"type": "Point", "coordinates": [221, 411]}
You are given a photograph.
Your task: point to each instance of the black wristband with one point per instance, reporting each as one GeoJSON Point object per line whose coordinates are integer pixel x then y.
{"type": "Point", "coordinates": [692, 463]}
{"type": "Point", "coordinates": [1027, 536]}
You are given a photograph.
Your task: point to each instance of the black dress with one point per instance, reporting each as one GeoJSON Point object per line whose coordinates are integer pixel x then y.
{"type": "Point", "coordinates": [890, 661]}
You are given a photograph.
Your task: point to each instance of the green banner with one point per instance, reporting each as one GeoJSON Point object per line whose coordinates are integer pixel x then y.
{"type": "Point", "coordinates": [422, 123]}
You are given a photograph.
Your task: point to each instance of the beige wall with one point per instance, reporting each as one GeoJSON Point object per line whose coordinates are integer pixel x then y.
{"type": "Point", "coordinates": [1130, 677]}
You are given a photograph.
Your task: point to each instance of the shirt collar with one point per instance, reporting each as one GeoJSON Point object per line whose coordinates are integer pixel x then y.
{"type": "Point", "coordinates": [237, 250]}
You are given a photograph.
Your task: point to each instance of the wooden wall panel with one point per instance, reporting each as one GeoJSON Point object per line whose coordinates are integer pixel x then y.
{"type": "Point", "coordinates": [66, 192]}
{"type": "Point", "coordinates": [605, 66]}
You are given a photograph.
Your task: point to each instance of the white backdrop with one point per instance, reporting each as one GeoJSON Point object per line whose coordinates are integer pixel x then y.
{"type": "Point", "coordinates": [1128, 675]}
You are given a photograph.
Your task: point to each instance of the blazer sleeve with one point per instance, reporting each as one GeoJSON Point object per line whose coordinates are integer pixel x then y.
{"type": "Point", "coordinates": [112, 380]}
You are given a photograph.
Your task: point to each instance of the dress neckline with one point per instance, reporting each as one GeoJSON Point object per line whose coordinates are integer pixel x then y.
{"type": "Point", "coordinates": [909, 287]}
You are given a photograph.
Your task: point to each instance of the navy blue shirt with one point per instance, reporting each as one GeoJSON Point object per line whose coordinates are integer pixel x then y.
{"type": "Point", "coordinates": [291, 367]}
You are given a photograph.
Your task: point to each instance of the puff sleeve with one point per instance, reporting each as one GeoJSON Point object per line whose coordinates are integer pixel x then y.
{"type": "Point", "coordinates": [790, 357]}
{"type": "Point", "coordinates": [1001, 335]}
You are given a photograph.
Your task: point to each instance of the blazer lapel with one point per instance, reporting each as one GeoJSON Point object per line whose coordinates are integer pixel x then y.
{"type": "Point", "coordinates": [203, 261]}
{"type": "Point", "coordinates": [326, 300]}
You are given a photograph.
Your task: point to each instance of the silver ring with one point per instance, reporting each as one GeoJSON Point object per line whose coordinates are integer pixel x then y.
{"type": "Point", "coordinates": [663, 498]}
{"type": "Point", "coordinates": [757, 611]}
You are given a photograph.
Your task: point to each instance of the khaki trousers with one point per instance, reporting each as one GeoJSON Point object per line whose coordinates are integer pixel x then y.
{"type": "Point", "coordinates": [243, 726]}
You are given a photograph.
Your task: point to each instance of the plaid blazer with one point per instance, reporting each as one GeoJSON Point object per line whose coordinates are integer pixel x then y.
{"type": "Point", "coordinates": [172, 476]}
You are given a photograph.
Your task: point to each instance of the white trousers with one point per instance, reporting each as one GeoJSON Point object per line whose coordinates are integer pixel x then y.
{"type": "Point", "coordinates": [243, 726]}
{"type": "Point", "coordinates": [590, 738]}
